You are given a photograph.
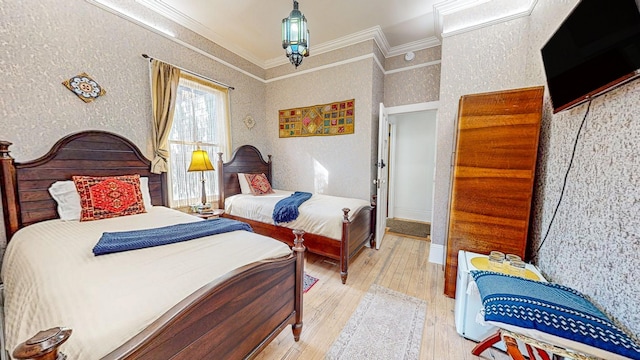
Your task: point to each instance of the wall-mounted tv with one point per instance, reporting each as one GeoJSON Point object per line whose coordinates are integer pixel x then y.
{"type": "Point", "coordinates": [595, 48]}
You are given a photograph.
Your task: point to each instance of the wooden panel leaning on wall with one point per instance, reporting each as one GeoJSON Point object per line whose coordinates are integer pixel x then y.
{"type": "Point", "coordinates": [492, 181]}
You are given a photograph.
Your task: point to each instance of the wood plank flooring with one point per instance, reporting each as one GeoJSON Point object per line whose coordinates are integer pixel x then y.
{"type": "Point", "coordinates": [402, 265]}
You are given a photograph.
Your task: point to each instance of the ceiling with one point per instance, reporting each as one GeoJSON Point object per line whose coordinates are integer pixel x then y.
{"type": "Point", "coordinates": [251, 28]}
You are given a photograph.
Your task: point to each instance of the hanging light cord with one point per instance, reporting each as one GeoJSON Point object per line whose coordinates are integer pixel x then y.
{"type": "Point", "coordinates": [564, 183]}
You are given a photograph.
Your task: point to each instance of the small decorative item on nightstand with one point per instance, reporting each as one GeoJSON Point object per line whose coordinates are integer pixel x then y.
{"type": "Point", "coordinates": [210, 214]}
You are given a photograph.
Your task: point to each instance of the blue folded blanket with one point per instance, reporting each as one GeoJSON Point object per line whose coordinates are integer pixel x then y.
{"type": "Point", "coordinates": [112, 242]}
{"type": "Point", "coordinates": [553, 309]}
{"type": "Point", "coordinates": [287, 209]}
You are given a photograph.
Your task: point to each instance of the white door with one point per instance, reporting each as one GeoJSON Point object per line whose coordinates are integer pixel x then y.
{"type": "Point", "coordinates": [383, 175]}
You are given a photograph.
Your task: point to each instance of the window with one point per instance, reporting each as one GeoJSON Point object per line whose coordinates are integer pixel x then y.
{"type": "Point", "coordinates": [201, 117]}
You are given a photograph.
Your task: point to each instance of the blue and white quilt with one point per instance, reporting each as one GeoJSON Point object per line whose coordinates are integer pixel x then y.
{"type": "Point", "coordinates": [553, 309]}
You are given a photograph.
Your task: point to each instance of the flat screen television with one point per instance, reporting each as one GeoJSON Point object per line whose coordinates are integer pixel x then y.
{"type": "Point", "coordinates": [596, 48]}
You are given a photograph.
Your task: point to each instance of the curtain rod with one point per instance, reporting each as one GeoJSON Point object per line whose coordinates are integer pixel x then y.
{"type": "Point", "coordinates": [192, 73]}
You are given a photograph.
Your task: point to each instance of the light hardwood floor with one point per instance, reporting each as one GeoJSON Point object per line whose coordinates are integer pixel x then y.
{"type": "Point", "coordinates": [402, 265]}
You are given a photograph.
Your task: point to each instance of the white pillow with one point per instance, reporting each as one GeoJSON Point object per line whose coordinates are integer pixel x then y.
{"type": "Point", "coordinates": [245, 188]}
{"type": "Point", "coordinates": [146, 195]}
{"type": "Point", "coordinates": [66, 195]}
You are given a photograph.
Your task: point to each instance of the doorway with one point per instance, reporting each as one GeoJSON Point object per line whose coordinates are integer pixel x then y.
{"type": "Point", "coordinates": [412, 150]}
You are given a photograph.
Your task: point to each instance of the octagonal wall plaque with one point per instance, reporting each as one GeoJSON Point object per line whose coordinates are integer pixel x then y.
{"type": "Point", "coordinates": [84, 87]}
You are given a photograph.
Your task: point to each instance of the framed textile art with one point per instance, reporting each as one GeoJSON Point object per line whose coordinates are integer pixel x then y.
{"type": "Point", "coordinates": [84, 87]}
{"type": "Point", "coordinates": [337, 118]}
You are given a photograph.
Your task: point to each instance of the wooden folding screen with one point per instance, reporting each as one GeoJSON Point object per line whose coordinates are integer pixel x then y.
{"type": "Point", "coordinates": [493, 174]}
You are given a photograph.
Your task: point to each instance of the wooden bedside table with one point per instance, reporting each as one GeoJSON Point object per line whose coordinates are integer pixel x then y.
{"type": "Point", "coordinates": [211, 214]}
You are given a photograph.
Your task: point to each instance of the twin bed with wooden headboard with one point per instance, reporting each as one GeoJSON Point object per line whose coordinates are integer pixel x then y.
{"type": "Point", "coordinates": [186, 300]}
{"type": "Point", "coordinates": [350, 222]}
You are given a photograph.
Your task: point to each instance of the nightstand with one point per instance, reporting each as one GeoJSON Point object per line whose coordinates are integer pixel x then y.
{"type": "Point", "coordinates": [210, 214]}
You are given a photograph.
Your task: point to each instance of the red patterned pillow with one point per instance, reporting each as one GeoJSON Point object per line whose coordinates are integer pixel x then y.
{"type": "Point", "coordinates": [259, 184]}
{"type": "Point", "coordinates": [107, 197]}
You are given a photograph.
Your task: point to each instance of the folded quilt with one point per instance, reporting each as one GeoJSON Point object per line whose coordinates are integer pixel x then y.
{"type": "Point", "coordinates": [287, 209]}
{"type": "Point", "coordinates": [112, 242]}
{"type": "Point", "coordinates": [552, 309]}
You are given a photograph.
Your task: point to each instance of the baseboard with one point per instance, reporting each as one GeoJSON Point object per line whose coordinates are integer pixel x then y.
{"type": "Point", "coordinates": [410, 214]}
{"type": "Point", "coordinates": [436, 254]}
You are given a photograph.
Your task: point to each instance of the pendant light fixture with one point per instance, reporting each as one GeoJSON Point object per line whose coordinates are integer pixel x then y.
{"type": "Point", "coordinates": [295, 36]}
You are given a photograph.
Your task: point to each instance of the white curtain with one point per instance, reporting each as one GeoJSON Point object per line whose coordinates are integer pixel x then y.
{"type": "Point", "coordinates": [201, 117]}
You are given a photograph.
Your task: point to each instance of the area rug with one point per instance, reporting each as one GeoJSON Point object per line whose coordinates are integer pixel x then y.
{"type": "Point", "coordinates": [386, 325]}
{"type": "Point", "coordinates": [408, 227]}
{"type": "Point", "coordinates": [309, 281]}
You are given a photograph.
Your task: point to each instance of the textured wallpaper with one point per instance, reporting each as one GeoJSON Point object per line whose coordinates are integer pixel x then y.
{"type": "Point", "coordinates": [412, 86]}
{"type": "Point", "coordinates": [41, 47]}
{"type": "Point", "coordinates": [594, 240]}
{"type": "Point", "coordinates": [336, 165]}
{"type": "Point", "coordinates": [421, 57]}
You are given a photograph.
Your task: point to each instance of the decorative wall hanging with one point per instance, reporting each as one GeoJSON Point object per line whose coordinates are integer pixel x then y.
{"type": "Point", "coordinates": [249, 122]}
{"type": "Point", "coordinates": [328, 119]}
{"type": "Point", "coordinates": [84, 87]}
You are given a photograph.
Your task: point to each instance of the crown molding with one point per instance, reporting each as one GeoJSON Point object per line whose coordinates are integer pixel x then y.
{"type": "Point", "coordinates": [374, 33]}
{"type": "Point", "coordinates": [197, 27]}
{"type": "Point", "coordinates": [449, 7]}
{"type": "Point", "coordinates": [167, 35]}
{"type": "Point", "coordinates": [123, 14]}
{"type": "Point", "coordinates": [446, 8]}
{"type": "Point", "coordinates": [495, 21]}
{"type": "Point", "coordinates": [414, 46]}
{"type": "Point", "coordinates": [170, 36]}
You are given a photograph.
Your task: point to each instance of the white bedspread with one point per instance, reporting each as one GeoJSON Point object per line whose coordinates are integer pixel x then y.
{"type": "Point", "coordinates": [53, 279]}
{"type": "Point", "coordinates": [321, 214]}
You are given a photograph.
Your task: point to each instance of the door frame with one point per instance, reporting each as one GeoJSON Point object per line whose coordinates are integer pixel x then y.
{"type": "Point", "coordinates": [404, 109]}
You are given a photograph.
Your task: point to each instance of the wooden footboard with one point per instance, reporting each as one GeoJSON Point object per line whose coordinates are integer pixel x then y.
{"type": "Point", "coordinates": [234, 317]}
{"type": "Point", "coordinates": [355, 233]}
{"type": "Point", "coordinates": [355, 236]}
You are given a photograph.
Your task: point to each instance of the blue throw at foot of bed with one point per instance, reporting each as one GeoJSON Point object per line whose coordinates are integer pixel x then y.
{"type": "Point", "coordinates": [287, 209]}
{"type": "Point", "coordinates": [112, 242]}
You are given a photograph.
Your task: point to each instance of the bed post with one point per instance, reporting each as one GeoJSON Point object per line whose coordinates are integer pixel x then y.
{"type": "Point", "coordinates": [8, 184]}
{"type": "Point", "coordinates": [344, 246]}
{"type": "Point", "coordinates": [220, 182]}
{"type": "Point", "coordinates": [298, 249]}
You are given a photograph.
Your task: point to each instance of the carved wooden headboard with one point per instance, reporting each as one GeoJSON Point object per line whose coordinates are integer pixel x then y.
{"type": "Point", "coordinates": [25, 196]}
{"type": "Point", "coordinates": [246, 159]}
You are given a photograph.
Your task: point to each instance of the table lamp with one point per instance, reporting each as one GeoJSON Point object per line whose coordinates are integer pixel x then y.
{"type": "Point", "coordinates": [200, 162]}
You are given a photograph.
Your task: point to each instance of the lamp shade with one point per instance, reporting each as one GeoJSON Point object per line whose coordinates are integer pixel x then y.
{"type": "Point", "coordinates": [200, 161]}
